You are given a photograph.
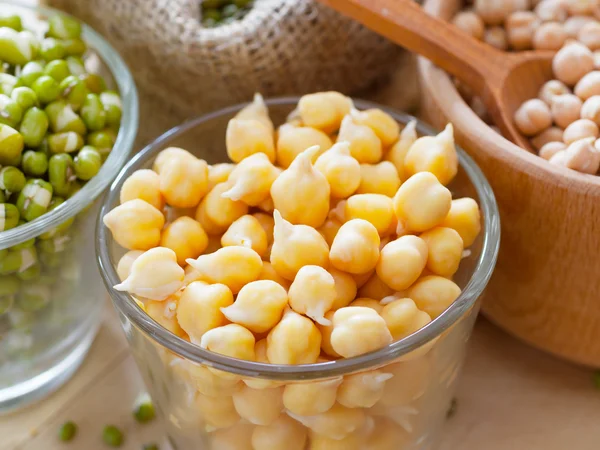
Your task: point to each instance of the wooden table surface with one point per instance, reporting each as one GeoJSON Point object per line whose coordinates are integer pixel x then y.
{"type": "Point", "coordinates": [511, 397]}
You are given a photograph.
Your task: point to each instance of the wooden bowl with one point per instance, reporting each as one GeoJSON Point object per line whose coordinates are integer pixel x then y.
{"type": "Point", "coordinates": [546, 288]}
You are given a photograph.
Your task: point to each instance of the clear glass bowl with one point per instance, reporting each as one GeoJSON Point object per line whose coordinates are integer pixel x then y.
{"type": "Point", "coordinates": [42, 345]}
{"type": "Point", "coordinates": [194, 389]}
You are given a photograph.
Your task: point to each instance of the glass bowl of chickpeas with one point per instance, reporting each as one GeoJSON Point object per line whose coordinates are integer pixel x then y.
{"type": "Point", "coordinates": [300, 273]}
{"type": "Point", "coordinates": [68, 119]}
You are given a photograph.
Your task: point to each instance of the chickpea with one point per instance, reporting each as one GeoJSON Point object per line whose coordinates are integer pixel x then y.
{"type": "Point", "coordinates": [533, 117]}
{"type": "Point", "coordinates": [246, 232]}
{"type": "Point", "coordinates": [550, 149]}
{"type": "Point", "coordinates": [365, 146]}
{"type": "Point", "coordinates": [251, 180]}
{"type": "Point", "coordinates": [260, 354]}
{"type": "Point", "coordinates": [421, 203]}
{"type": "Point", "coordinates": [283, 345]}
{"type": "Point", "coordinates": [381, 178]}
{"type": "Point", "coordinates": [465, 218]}
{"type": "Point", "coordinates": [402, 261]}
{"type": "Point", "coordinates": [296, 246]}
{"type": "Point", "coordinates": [217, 412]}
{"type": "Point", "coordinates": [338, 210]}
{"type": "Point", "coordinates": [589, 35]}
{"type": "Point", "coordinates": [551, 11]}
{"type": "Point", "coordinates": [330, 229]}
{"type": "Point", "coordinates": [324, 110]}
{"type": "Point", "coordinates": [216, 213]}
{"type": "Point", "coordinates": [385, 126]}
{"type": "Point", "coordinates": [445, 248]}
{"type": "Point", "coordinates": [368, 303]}
{"type": "Point", "coordinates": [552, 88]}
{"type": "Point", "coordinates": [341, 170]}
{"type": "Point", "coordinates": [409, 382]}
{"type": "Point", "coordinates": [520, 29]}
{"type": "Point", "coordinates": [311, 398]}
{"type": "Point", "coordinates": [219, 173]}
{"type": "Point", "coordinates": [375, 288]}
{"type": "Point", "coordinates": [435, 154]}
{"type": "Point", "coordinates": [588, 86]}
{"type": "Point", "coordinates": [377, 209]}
{"type": "Point", "coordinates": [591, 110]}
{"type": "Point", "coordinates": [135, 224]}
{"type": "Point", "coordinates": [245, 137]}
{"type": "Point", "coordinates": [183, 182]}
{"type": "Point", "coordinates": [496, 37]}
{"type": "Point", "coordinates": [550, 36]}
{"type": "Point", "coordinates": [230, 340]}
{"type": "Point", "coordinates": [154, 275]}
{"type": "Point", "coordinates": [581, 156]}
{"type": "Point", "coordinates": [336, 423]}
{"type": "Point", "coordinates": [495, 12]}
{"type": "Point", "coordinates": [301, 185]}
{"type": "Point", "coordinates": [237, 437]}
{"type": "Point", "coordinates": [397, 154]}
{"type": "Point", "coordinates": [170, 154]}
{"type": "Point", "coordinates": [125, 263]}
{"type": "Point", "coordinates": [358, 330]}
{"type": "Point", "coordinates": [232, 266]}
{"type": "Point", "coordinates": [387, 435]}
{"type": "Point", "coordinates": [470, 23]}
{"type": "Point", "coordinates": [313, 293]}
{"type": "Point", "coordinates": [257, 110]}
{"type": "Point", "coordinates": [185, 237]}
{"type": "Point", "coordinates": [293, 140]}
{"type": "Point", "coordinates": [259, 306]}
{"type": "Point", "coordinates": [269, 273]}
{"type": "Point", "coordinates": [283, 434]}
{"type": "Point", "coordinates": [575, 23]}
{"type": "Point", "coordinates": [403, 318]}
{"type": "Point", "coordinates": [326, 329]}
{"type": "Point", "coordinates": [163, 312]}
{"type": "Point", "coordinates": [210, 384]}
{"type": "Point", "coordinates": [145, 185]}
{"type": "Point", "coordinates": [345, 288]}
{"type": "Point", "coordinates": [572, 62]}
{"type": "Point", "coordinates": [199, 308]}
{"type": "Point", "coordinates": [434, 294]}
{"type": "Point", "coordinates": [355, 248]}
{"type": "Point", "coordinates": [597, 59]}
{"type": "Point", "coordinates": [268, 223]}
{"type": "Point", "coordinates": [551, 134]}
{"type": "Point", "coordinates": [580, 129]}
{"type": "Point", "coordinates": [362, 390]}
{"type": "Point", "coordinates": [259, 406]}
{"type": "Point", "coordinates": [565, 109]}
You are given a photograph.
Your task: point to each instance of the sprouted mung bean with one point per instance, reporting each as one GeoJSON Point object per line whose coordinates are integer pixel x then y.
{"type": "Point", "coordinates": [221, 12]}
{"type": "Point", "coordinates": [58, 124]}
{"type": "Point", "coordinates": [253, 267]}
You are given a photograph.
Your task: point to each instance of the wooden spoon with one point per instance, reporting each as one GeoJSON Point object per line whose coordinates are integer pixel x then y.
{"type": "Point", "coordinates": [503, 80]}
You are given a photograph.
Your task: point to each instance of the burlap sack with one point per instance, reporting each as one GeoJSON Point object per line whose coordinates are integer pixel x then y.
{"type": "Point", "coordinates": [281, 47]}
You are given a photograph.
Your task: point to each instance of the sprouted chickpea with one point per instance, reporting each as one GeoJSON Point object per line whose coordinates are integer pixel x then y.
{"type": "Point", "coordinates": [293, 140]}
{"type": "Point", "coordinates": [313, 293]}
{"type": "Point", "coordinates": [259, 406]}
{"type": "Point", "coordinates": [283, 345]}
{"type": "Point", "coordinates": [358, 330]}
{"type": "Point", "coordinates": [301, 185]}
{"type": "Point", "coordinates": [385, 126]}
{"type": "Point", "coordinates": [397, 154]}
{"type": "Point", "coordinates": [125, 263]}
{"type": "Point", "coordinates": [154, 275]}
{"type": "Point", "coordinates": [183, 182]}
{"type": "Point", "coordinates": [381, 178]}
{"type": "Point", "coordinates": [377, 209]}
{"type": "Point", "coordinates": [251, 180]}
{"type": "Point", "coordinates": [355, 248]}
{"type": "Point", "coordinates": [230, 340]}
{"type": "Point", "coordinates": [402, 261]}
{"type": "Point", "coordinates": [216, 213]}
{"type": "Point", "coordinates": [283, 434]}
{"type": "Point", "coordinates": [341, 170]}
{"type": "Point", "coordinates": [365, 146]}
{"type": "Point", "coordinates": [145, 185]}
{"type": "Point", "coordinates": [257, 110]}
{"type": "Point", "coordinates": [135, 224]}
{"type": "Point", "coordinates": [362, 390]}
{"type": "Point", "coordinates": [219, 173]}
{"type": "Point", "coordinates": [404, 318]}
{"type": "Point", "coordinates": [324, 110]}
{"type": "Point", "coordinates": [245, 137]}
{"type": "Point", "coordinates": [185, 237]}
{"type": "Point", "coordinates": [336, 423]}
{"type": "Point", "coordinates": [246, 232]}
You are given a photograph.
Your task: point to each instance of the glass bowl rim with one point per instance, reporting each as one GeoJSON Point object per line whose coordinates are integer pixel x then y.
{"type": "Point", "coordinates": [121, 149]}
{"type": "Point", "coordinates": [467, 299]}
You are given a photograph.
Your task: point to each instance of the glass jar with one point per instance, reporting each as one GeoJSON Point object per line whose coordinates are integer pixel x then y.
{"type": "Point", "coordinates": [395, 398]}
{"type": "Point", "coordinates": [54, 300]}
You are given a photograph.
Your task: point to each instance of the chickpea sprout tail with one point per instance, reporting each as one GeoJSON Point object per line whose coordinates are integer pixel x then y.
{"type": "Point", "coordinates": [228, 257]}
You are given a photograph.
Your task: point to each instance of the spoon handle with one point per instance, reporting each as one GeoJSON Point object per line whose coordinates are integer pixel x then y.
{"type": "Point", "coordinates": [407, 24]}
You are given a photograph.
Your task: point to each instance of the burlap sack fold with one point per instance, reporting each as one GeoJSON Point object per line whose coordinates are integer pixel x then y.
{"type": "Point", "coordinates": [281, 47]}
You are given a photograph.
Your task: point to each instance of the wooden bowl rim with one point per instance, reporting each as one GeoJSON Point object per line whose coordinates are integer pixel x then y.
{"type": "Point", "coordinates": [446, 95]}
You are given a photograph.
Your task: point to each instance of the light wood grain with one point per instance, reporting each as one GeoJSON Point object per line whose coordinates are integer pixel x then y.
{"type": "Point", "coordinates": [510, 397]}
{"type": "Point", "coordinates": [545, 288]}
{"type": "Point", "coordinates": [502, 80]}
